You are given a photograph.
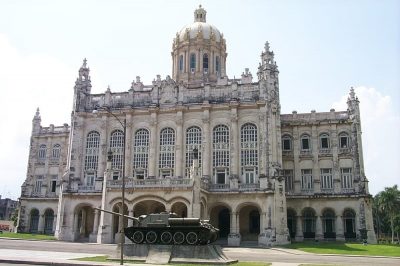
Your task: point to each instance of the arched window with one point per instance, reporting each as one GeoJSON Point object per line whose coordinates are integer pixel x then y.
{"type": "Point", "coordinates": [305, 142]}
{"type": "Point", "coordinates": [192, 62]}
{"type": "Point", "coordinates": [91, 157]}
{"type": "Point", "coordinates": [193, 140]}
{"type": "Point", "coordinates": [328, 217]}
{"type": "Point", "coordinates": [34, 221]}
{"type": "Point", "coordinates": [48, 221]}
{"type": "Point", "coordinates": [167, 152]}
{"type": "Point", "coordinates": [205, 63]}
{"type": "Point", "coordinates": [141, 153]}
{"type": "Point", "coordinates": [181, 63]}
{"type": "Point", "coordinates": [249, 153]}
{"type": "Point", "coordinates": [344, 142]}
{"type": "Point", "coordinates": [56, 151]}
{"type": "Point", "coordinates": [117, 147]}
{"type": "Point", "coordinates": [309, 223]}
{"type": "Point", "coordinates": [217, 65]}
{"type": "Point", "coordinates": [42, 152]}
{"type": "Point", "coordinates": [324, 141]}
{"type": "Point", "coordinates": [286, 143]}
{"type": "Point", "coordinates": [349, 217]}
{"type": "Point", "coordinates": [221, 154]}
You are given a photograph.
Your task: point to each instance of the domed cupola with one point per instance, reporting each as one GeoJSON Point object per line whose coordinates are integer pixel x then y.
{"type": "Point", "coordinates": [198, 52]}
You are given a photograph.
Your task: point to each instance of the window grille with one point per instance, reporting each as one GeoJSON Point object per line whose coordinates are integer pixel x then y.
{"type": "Point", "coordinates": [306, 179]}
{"type": "Point", "coordinates": [288, 174]}
{"type": "Point", "coordinates": [305, 143]}
{"type": "Point", "coordinates": [167, 151]}
{"type": "Point", "coordinates": [346, 178]}
{"type": "Point", "coordinates": [117, 148]}
{"type": "Point", "coordinates": [249, 152]}
{"type": "Point", "coordinates": [42, 152]}
{"type": "Point", "coordinates": [326, 178]}
{"type": "Point", "coordinates": [324, 141]}
{"type": "Point", "coordinates": [92, 153]}
{"type": "Point", "coordinates": [141, 153]}
{"type": "Point", "coordinates": [193, 140]}
{"type": "Point", "coordinates": [56, 151]}
{"type": "Point", "coordinates": [221, 152]}
{"type": "Point", "coordinates": [286, 143]}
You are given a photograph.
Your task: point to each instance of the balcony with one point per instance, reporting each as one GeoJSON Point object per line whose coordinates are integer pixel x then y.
{"type": "Point", "coordinates": [327, 190]}
{"type": "Point", "coordinates": [249, 187]}
{"type": "Point", "coordinates": [219, 187]}
{"type": "Point", "coordinates": [347, 190]}
{"type": "Point", "coordinates": [152, 183]}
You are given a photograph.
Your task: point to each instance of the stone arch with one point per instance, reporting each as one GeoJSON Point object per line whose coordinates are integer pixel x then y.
{"type": "Point", "coordinates": [180, 209]}
{"type": "Point", "coordinates": [34, 220]}
{"type": "Point", "coordinates": [349, 224]}
{"type": "Point", "coordinates": [48, 221]}
{"type": "Point", "coordinates": [309, 219]}
{"type": "Point", "coordinates": [328, 223]}
{"type": "Point", "coordinates": [220, 217]}
{"type": "Point", "coordinates": [249, 220]}
{"type": "Point", "coordinates": [291, 222]}
{"type": "Point", "coordinates": [83, 221]}
{"type": "Point", "coordinates": [148, 206]}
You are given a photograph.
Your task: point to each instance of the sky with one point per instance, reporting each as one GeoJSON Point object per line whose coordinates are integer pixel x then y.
{"type": "Point", "coordinates": [322, 48]}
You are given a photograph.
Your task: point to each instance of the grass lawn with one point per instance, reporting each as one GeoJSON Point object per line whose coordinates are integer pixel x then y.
{"type": "Point", "coordinates": [241, 263]}
{"type": "Point", "coordinates": [27, 236]}
{"type": "Point", "coordinates": [347, 248]}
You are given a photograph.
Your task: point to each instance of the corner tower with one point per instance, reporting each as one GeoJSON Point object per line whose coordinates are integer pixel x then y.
{"type": "Point", "coordinates": [198, 52]}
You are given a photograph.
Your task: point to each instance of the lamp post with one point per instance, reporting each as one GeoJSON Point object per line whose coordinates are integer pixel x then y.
{"type": "Point", "coordinates": [122, 236]}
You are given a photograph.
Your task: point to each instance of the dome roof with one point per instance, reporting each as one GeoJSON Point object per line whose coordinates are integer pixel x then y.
{"type": "Point", "coordinates": [195, 28]}
{"type": "Point", "coordinates": [200, 26]}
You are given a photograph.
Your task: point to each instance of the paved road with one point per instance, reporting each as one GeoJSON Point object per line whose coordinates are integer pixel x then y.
{"type": "Point", "coordinates": [240, 253]}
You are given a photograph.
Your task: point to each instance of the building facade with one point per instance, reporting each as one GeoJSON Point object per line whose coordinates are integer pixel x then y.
{"type": "Point", "coordinates": [260, 175]}
{"type": "Point", "coordinates": [7, 208]}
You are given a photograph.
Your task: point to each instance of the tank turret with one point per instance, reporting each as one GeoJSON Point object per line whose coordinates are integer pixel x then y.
{"type": "Point", "coordinates": [169, 229]}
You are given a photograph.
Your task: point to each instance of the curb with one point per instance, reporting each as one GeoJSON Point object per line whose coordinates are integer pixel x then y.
{"type": "Point", "coordinates": [341, 255]}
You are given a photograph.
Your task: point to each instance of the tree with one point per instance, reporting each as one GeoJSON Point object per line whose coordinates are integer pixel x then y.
{"type": "Point", "coordinates": [389, 203]}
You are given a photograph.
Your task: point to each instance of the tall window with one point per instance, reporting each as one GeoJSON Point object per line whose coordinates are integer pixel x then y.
{"type": "Point", "coordinates": [117, 147]}
{"type": "Point", "coordinates": [326, 179]}
{"type": "Point", "coordinates": [181, 63]}
{"type": "Point", "coordinates": [38, 184]}
{"type": "Point", "coordinates": [221, 153]}
{"type": "Point", "coordinates": [53, 183]}
{"type": "Point", "coordinates": [193, 140]}
{"type": "Point", "coordinates": [288, 174]}
{"type": "Point", "coordinates": [92, 157]}
{"type": "Point", "coordinates": [42, 152]}
{"type": "Point", "coordinates": [217, 65]}
{"type": "Point", "coordinates": [167, 152]}
{"type": "Point", "coordinates": [141, 153]}
{"type": "Point", "coordinates": [249, 152]}
{"type": "Point", "coordinates": [305, 142]}
{"type": "Point", "coordinates": [205, 63]}
{"type": "Point", "coordinates": [286, 143]}
{"type": "Point", "coordinates": [56, 151]}
{"type": "Point", "coordinates": [346, 178]}
{"type": "Point", "coordinates": [192, 63]}
{"type": "Point", "coordinates": [324, 141]}
{"type": "Point", "coordinates": [343, 140]}
{"type": "Point", "coordinates": [307, 180]}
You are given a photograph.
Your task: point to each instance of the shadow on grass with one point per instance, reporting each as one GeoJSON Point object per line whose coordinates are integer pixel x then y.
{"type": "Point", "coordinates": [323, 246]}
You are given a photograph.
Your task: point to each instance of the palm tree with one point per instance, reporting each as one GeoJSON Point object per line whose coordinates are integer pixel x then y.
{"type": "Point", "coordinates": [389, 202]}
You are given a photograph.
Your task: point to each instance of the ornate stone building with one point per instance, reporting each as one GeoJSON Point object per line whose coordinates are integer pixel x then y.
{"type": "Point", "coordinates": [261, 175]}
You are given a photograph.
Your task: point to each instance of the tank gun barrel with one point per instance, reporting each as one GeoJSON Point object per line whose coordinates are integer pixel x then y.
{"type": "Point", "coordinates": [119, 214]}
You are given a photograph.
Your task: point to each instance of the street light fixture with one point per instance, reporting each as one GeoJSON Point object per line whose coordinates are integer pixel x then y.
{"type": "Point", "coordinates": [123, 124]}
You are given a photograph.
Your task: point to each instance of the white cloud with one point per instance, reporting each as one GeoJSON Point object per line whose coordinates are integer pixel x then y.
{"type": "Point", "coordinates": [380, 123]}
{"type": "Point", "coordinates": [27, 82]}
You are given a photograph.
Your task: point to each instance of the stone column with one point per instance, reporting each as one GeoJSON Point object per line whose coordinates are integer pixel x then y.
{"type": "Point", "coordinates": [103, 146]}
{"type": "Point", "coordinates": [339, 228]}
{"type": "Point", "coordinates": [299, 229]}
{"type": "Point", "coordinates": [207, 139]}
{"type": "Point", "coordinates": [75, 228]}
{"type": "Point", "coordinates": [153, 146]}
{"type": "Point", "coordinates": [83, 223]}
{"type": "Point", "coordinates": [319, 234]}
{"type": "Point", "coordinates": [41, 224]}
{"type": "Point", "coordinates": [178, 146]}
{"type": "Point", "coordinates": [234, 235]}
{"type": "Point", "coordinates": [128, 146]}
{"type": "Point", "coordinates": [130, 221]}
{"type": "Point", "coordinates": [96, 222]}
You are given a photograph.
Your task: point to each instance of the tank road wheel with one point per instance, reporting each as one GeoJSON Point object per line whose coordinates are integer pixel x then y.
{"type": "Point", "coordinates": [179, 238]}
{"type": "Point", "coordinates": [191, 238]}
{"type": "Point", "coordinates": [151, 237]}
{"type": "Point", "coordinates": [166, 237]}
{"type": "Point", "coordinates": [138, 237]}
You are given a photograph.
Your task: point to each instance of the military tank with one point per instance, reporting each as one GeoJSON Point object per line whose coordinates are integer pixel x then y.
{"type": "Point", "coordinates": [169, 229]}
